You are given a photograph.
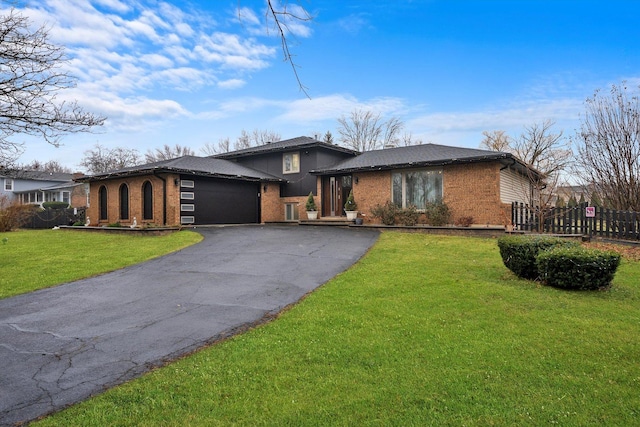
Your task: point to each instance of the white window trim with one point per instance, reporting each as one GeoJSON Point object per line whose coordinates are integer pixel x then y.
{"type": "Point", "coordinates": [187, 183]}
{"type": "Point", "coordinates": [295, 166]}
{"type": "Point", "coordinates": [187, 219]}
{"type": "Point", "coordinates": [187, 195]}
{"type": "Point", "coordinates": [8, 184]}
{"type": "Point", "coordinates": [187, 207]}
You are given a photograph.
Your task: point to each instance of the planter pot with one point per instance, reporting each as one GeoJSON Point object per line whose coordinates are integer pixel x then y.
{"type": "Point", "coordinates": [359, 221]}
{"type": "Point", "coordinates": [312, 214]}
{"type": "Point", "coordinates": [351, 215]}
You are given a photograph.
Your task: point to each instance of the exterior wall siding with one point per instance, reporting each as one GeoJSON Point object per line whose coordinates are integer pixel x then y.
{"type": "Point", "coordinates": [514, 187]}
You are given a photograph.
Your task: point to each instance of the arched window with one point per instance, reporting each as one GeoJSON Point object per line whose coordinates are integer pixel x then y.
{"type": "Point", "coordinates": [102, 202]}
{"type": "Point", "coordinates": [124, 201]}
{"type": "Point", "coordinates": [147, 200]}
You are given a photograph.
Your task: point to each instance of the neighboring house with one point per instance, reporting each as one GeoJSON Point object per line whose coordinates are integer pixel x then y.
{"type": "Point", "coordinates": [270, 183]}
{"type": "Point", "coordinates": [37, 187]}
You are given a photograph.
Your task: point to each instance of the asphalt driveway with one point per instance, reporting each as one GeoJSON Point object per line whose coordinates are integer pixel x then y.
{"type": "Point", "coordinates": [60, 345]}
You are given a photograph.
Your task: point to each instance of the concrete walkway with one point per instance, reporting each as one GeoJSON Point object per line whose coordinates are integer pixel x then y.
{"type": "Point", "coordinates": [61, 345]}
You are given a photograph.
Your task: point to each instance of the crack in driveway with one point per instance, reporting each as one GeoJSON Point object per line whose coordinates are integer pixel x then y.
{"type": "Point", "coordinates": [63, 344]}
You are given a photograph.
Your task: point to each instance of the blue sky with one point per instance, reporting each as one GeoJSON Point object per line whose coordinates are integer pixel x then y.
{"type": "Point", "coordinates": [192, 73]}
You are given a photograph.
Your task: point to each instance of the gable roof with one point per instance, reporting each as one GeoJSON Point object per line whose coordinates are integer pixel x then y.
{"type": "Point", "coordinates": [284, 145]}
{"type": "Point", "coordinates": [189, 165]}
{"type": "Point", "coordinates": [418, 156]}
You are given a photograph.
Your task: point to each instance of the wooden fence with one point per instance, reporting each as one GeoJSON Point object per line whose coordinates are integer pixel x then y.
{"type": "Point", "coordinates": [607, 223]}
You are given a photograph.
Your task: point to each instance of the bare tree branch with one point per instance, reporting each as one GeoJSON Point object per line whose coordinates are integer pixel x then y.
{"type": "Point", "coordinates": [366, 131]}
{"type": "Point", "coordinates": [609, 157]}
{"type": "Point", "coordinates": [280, 18]}
{"type": "Point", "coordinates": [167, 152]}
{"type": "Point", "coordinates": [31, 76]}
{"type": "Point", "coordinates": [102, 159]}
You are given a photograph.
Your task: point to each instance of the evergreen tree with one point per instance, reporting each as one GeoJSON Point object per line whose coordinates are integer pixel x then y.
{"type": "Point", "coordinates": [572, 203]}
{"type": "Point", "coordinates": [560, 202]}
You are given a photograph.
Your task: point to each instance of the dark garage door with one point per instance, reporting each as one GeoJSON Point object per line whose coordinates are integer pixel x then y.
{"type": "Point", "coordinates": [221, 201]}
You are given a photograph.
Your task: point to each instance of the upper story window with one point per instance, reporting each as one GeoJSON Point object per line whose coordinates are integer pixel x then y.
{"type": "Point", "coordinates": [291, 163]}
{"type": "Point", "coordinates": [8, 184]}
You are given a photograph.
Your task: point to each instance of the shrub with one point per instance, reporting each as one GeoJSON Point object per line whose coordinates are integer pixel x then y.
{"type": "Point", "coordinates": [114, 224]}
{"type": "Point", "coordinates": [577, 268]}
{"type": "Point", "coordinates": [311, 204]}
{"type": "Point", "coordinates": [55, 205]}
{"type": "Point", "coordinates": [519, 252]}
{"type": "Point", "coordinates": [78, 224]}
{"type": "Point", "coordinates": [408, 216]}
{"type": "Point", "coordinates": [385, 213]}
{"type": "Point", "coordinates": [351, 204]}
{"type": "Point", "coordinates": [438, 213]}
{"type": "Point", "coordinates": [464, 221]}
{"type": "Point", "coordinates": [13, 214]}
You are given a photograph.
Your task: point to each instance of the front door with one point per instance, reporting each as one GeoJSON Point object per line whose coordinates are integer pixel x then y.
{"type": "Point", "coordinates": [335, 190]}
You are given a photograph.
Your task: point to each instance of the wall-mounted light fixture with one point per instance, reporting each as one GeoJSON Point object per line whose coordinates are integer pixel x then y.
{"type": "Point", "coordinates": [356, 179]}
{"type": "Point", "coordinates": [264, 189]}
{"type": "Point", "coordinates": [176, 181]}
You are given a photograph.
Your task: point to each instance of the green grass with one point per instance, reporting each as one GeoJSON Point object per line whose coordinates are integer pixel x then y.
{"type": "Point", "coordinates": [424, 330]}
{"type": "Point", "coordinates": [36, 259]}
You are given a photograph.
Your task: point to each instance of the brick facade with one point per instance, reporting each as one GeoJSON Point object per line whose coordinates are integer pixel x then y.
{"type": "Point", "coordinates": [470, 190]}
{"type": "Point", "coordinates": [160, 183]}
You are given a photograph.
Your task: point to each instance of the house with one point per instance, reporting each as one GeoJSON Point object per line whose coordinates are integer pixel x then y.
{"type": "Point", "coordinates": [37, 187]}
{"type": "Point", "coordinates": [270, 183]}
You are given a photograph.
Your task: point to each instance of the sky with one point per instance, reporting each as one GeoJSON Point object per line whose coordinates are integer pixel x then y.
{"type": "Point", "coordinates": [195, 72]}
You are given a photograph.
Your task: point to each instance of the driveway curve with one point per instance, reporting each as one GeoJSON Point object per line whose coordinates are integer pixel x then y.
{"type": "Point", "coordinates": [61, 345]}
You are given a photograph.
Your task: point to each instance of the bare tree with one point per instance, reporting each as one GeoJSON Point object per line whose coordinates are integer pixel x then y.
{"type": "Point", "coordinates": [167, 152]}
{"type": "Point", "coordinates": [255, 138]}
{"type": "Point", "coordinates": [261, 137]}
{"type": "Point", "coordinates": [50, 166]}
{"type": "Point", "coordinates": [496, 140]}
{"type": "Point", "coordinates": [407, 139]}
{"type": "Point", "coordinates": [366, 130]}
{"type": "Point", "coordinates": [609, 156]}
{"type": "Point", "coordinates": [31, 75]}
{"type": "Point", "coordinates": [210, 149]}
{"type": "Point", "coordinates": [243, 141]}
{"type": "Point", "coordinates": [548, 154]}
{"type": "Point", "coordinates": [102, 159]}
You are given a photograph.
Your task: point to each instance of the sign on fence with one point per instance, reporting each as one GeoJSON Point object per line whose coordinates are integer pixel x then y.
{"type": "Point", "coordinates": [590, 211]}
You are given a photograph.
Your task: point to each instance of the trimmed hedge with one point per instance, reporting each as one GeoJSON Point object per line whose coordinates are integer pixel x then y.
{"type": "Point", "coordinates": [519, 252]}
{"type": "Point", "coordinates": [55, 205]}
{"type": "Point", "coordinates": [577, 268]}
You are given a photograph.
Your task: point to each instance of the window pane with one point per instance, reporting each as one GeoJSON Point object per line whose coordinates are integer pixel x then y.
{"type": "Point", "coordinates": [396, 194]}
{"type": "Point", "coordinates": [416, 189]}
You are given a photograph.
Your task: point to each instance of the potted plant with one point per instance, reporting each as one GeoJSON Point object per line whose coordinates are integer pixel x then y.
{"type": "Point", "coordinates": [351, 207]}
{"type": "Point", "coordinates": [312, 211]}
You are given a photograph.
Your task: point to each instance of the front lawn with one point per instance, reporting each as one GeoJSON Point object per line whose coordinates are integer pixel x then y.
{"type": "Point", "coordinates": [35, 259]}
{"type": "Point", "coordinates": [424, 330]}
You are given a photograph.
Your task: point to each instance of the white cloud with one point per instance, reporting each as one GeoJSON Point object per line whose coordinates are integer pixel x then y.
{"type": "Point", "coordinates": [335, 106]}
{"type": "Point", "coordinates": [231, 84]}
{"type": "Point", "coordinates": [126, 53]}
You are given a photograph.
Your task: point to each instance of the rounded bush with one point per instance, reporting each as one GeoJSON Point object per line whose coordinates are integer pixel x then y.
{"type": "Point", "coordinates": [578, 268]}
{"type": "Point", "coordinates": [519, 252]}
